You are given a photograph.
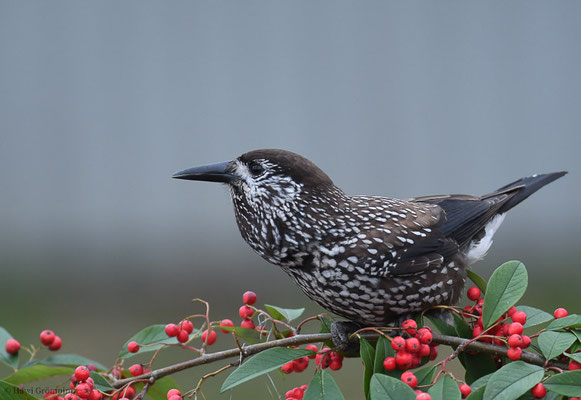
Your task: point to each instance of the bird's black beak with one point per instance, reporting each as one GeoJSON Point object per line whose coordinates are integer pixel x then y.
{"type": "Point", "coordinates": [209, 172]}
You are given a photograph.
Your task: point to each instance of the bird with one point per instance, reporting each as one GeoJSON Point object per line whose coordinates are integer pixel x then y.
{"type": "Point", "coordinates": [370, 259]}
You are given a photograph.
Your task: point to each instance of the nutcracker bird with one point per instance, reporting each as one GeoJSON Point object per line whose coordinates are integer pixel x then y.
{"type": "Point", "coordinates": [373, 260]}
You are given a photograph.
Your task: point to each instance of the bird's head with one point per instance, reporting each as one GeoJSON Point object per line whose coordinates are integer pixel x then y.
{"type": "Point", "coordinates": [263, 177]}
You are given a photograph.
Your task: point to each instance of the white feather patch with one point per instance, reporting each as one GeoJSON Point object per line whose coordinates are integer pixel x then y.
{"type": "Point", "coordinates": [478, 249]}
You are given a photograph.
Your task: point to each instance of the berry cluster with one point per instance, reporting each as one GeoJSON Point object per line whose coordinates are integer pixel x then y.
{"type": "Point", "coordinates": [323, 359]}
{"type": "Point", "coordinates": [504, 331]}
{"type": "Point", "coordinates": [246, 312]}
{"type": "Point", "coordinates": [47, 338]}
{"type": "Point", "coordinates": [180, 331]}
{"type": "Point", "coordinates": [296, 393]}
{"type": "Point", "coordinates": [409, 352]}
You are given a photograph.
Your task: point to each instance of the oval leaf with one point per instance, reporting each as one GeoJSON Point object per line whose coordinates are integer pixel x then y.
{"type": "Point", "coordinates": [101, 383]}
{"type": "Point", "coordinates": [368, 356]}
{"type": "Point", "coordinates": [11, 392]}
{"type": "Point", "coordinates": [571, 321]}
{"type": "Point", "coordinates": [382, 350]}
{"type": "Point", "coordinates": [9, 359]}
{"type": "Point", "coordinates": [445, 389]}
{"type": "Point", "coordinates": [385, 387]}
{"type": "Point", "coordinates": [478, 281]}
{"type": "Point", "coordinates": [148, 336]}
{"type": "Point", "coordinates": [282, 314]}
{"type": "Point", "coordinates": [261, 363]}
{"type": "Point", "coordinates": [506, 286]}
{"type": "Point", "coordinates": [512, 380]}
{"type": "Point", "coordinates": [566, 383]}
{"type": "Point", "coordinates": [36, 373]}
{"type": "Point", "coordinates": [534, 316]}
{"type": "Point", "coordinates": [553, 343]}
{"type": "Point", "coordinates": [323, 387]}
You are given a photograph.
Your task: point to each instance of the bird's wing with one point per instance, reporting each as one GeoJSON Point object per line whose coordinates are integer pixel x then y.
{"type": "Point", "coordinates": [393, 237]}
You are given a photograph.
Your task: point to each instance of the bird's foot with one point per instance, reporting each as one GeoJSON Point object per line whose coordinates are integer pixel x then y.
{"type": "Point", "coordinates": [340, 334]}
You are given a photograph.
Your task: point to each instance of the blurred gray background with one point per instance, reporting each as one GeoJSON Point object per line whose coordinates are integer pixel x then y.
{"type": "Point", "coordinates": [100, 102]}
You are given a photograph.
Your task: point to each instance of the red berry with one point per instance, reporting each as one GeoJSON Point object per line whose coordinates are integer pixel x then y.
{"type": "Point", "coordinates": [133, 347]}
{"type": "Point", "coordinates": [403, 359]}
{"type": "Point", "coordinates": [95, 395]}
{"type": "Point", "coordinates": [425, 335]}
{"type": "Point", "coordinates": [410, 379]}
{"type": "Point", "coordinates": [398, 343]}
{"type": "Point", "coordinates": [477, 331]}
{"type": "Point", "coordinates": [136, 369]}
{"type": "Point", "coordinates": [539, 391]}
{"type": "Point", "coordinates": [511, 311]}
{"type": "Point", "coordinates": [412, 345]}
{"type": "Point", "coordinates": [175, 397]}
{"type": "Point", "coordinates": [424, 350]}
{"type": "Point", "coordinates": [83, 390]}
{"type": "Point", "coordinates": [465, 390]}
{"type": "Point", "coordinates": [171, 330]}
{"type": "Point", "coordinates": [90, 382]}
{"type": "Point", "coordinates": [433, 353]}
{"type": "Point", "coordinates": [247, 323]}
{"type": "Point", "coordinates": [520, 317]}
{"type": "Point", "coordinates": [173, 392]}
{"type": "Point", "coordinates": [335, 365]}
{"type": "Point", "coordinates": [249, 298]}
{"type": "Point", "coordinates": [287, 368]}
{"type": "Point", "coordinates": [323, 359]}
{"type": "Point", "coordinates": [183, 336]}
{"type": "Point", "coordinates": [514, 353]}
{"type": "Point", "coordinates": [51, 394]}
{"type": "Point", "coordinates": [187, 326]}
{"type": "Point", "coordinates": [70, 396]}
{"type": "Point", "coordinates": [82, 373]}
{"type": "Point", "coordinates": [228, 323]}
{"type": "Point", "coordinates": [300, 364]}
{"type": "Point", "coordinates": [245, 312]}
{"type": "Point", "coordinates": [56, 344]}
{"type": "Point", "coordinates": [46, 337]}
{"type": "Point", "coordinates": [474, 293]}
{"type": "Point", "coordinates": [526, 341]}
{"type": "Point", "coordinates": [389, 363]}
{"type": "Point", "coordinates": [211, 337]}
{"type": "Point", "coordinates": [560, 313]}
{"type": "Point", "coordinates": [515, 340]}
{"type": "Point", "coordinates": [12, 346]}
{"type": "Point", "coordinates": [423, 396]}
{"type": "Point", "coordinates": [574, 365]}
{"type": "Point", "coordinates": [410, 326]}
{"type": "Point", "coordinates": [314, 348]}
{"type": "Point", "coordinates": [515, 328]}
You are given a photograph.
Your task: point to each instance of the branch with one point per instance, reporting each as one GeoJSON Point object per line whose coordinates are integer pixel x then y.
{"type": "Point", "coordinates": [247, 351]}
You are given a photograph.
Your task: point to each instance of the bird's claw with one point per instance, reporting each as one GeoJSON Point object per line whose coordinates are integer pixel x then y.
{"type": "Point", "coordinates": [340, 334]}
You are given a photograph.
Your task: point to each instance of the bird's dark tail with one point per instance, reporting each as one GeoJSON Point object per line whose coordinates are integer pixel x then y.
{"type": "Point", "coordinates": [523, 188]}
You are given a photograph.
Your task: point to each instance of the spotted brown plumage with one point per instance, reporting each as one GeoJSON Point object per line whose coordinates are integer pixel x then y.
{"type": "Point", "coordinates": [370, 259]}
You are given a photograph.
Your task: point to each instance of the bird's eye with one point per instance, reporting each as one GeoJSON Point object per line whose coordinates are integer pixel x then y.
{"type": "Point", "coordinates": [256, 169]}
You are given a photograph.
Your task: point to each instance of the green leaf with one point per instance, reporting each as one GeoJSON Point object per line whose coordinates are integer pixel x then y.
{"type": "Point", "coordinates": [477, 394]}
{"type": "Point", "coordinates": [571, 321]}
{"type": "Point", "coordinates": [323, 387]}
{"type": "Point", "coordinates": [476, 365]}
{"type": "Point", "coordinates": [554, 343]}
{"type": "Point", "coordinates": [282, 314]}
{"type": "Point", "coordinates": [161, 387]}
{"type": "Point", "coordinates": [462, 328]}
{"type": "Point", "coordinates": [262, 363]}
{"type": "Point", "coordinates": [9, 359]}
{"type": "Point", "coordinates": [512, 380]}
{"type": "Point", "coordinates": [534, 316]}
{"type": "Point", "coordinates": [445, 389]}
{"type": "Point", "coordinates": [480, 382]}
{"type": "Point", "coordinates": [426, 375]}
{"type": "Point", "coordinates": [385, 387]}
{"type": "Point", "coordinates": [11, 392]}
{"type": "Point", "coordinates": [382, 351]}
{"type": "Point", "coordinates": [101, 383]}
{"type": "Point", "coordinates": [250, 336]}
{"type": "Point", "coordinates": [148, 336]}
{"type": "Point", "coordinates": [368, 356]}
{"type": "Point", "coordinates": [478, 281]}
{"type": "Point", "coordinates": [326, 323]}
{"type": "Point", "coordinates": [506, 286]}
{"type": "Point", "coordinates": [574, 356]}
{"type": "Point", "coordinates": [37, 372]}
{"type": "Point", "coordinates": [66, 360]}
{"type": "Point", "coordinates": [441, 326]}
{"type": "Point", "coordinates": [566, 383]}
